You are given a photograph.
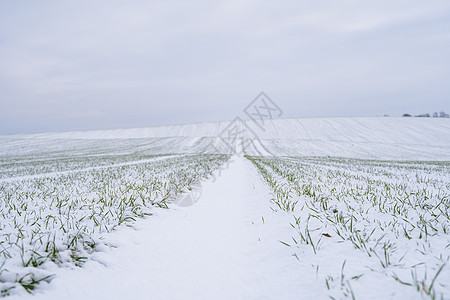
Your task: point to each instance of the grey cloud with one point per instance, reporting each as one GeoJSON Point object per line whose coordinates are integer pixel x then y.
{"type": "Point", "coordinates": [104, 64]}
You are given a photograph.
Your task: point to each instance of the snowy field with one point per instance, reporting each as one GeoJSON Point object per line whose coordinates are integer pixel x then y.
{"type": "Point", "coordinates": [355, 208]}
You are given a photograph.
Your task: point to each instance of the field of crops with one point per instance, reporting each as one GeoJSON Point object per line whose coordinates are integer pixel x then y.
{"type": "Point", "coordinates": [355, 222]}
{"type": "Point", "coordinates": [55, 211]}
{"type": "Point", "coordinates": [317, 208]}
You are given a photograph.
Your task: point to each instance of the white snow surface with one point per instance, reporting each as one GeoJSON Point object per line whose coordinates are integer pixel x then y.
{"type": "Point", "coordinates": [217, 249]}
{"type": "Point", "coordinates": [227, 245]}
{"type": "Point", "coordinates": [354, 137]}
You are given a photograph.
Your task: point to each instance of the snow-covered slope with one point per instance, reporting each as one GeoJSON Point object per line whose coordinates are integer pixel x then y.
{"type": "Point", "coordinates": [187, 130]}
{"type": "Point", "coordinates": [363, 137]}
{"type": "Point", "coordinates": [376, 138]}
{"type": "Point", "coordinates": [358, 129]}
{"type": "Point", "coordinates": [383, 130]}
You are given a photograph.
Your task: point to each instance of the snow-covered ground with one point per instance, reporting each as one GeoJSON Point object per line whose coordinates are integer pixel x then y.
{"type": "Point", "coordinates": [362, 137]}
{"type": "Point", "coordinates": [240, 239]}
{"type": "Point", "coordinates": [217, 249]}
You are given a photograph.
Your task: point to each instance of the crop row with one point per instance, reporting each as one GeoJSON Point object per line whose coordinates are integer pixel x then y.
{"type": "Point", "coordinates": [60, 218]}
{"type": "Point", "coordinates": [394, 215]}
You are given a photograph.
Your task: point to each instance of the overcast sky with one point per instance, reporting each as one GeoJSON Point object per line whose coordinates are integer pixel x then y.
{"type": "Point", "coordinates": [77, 65]}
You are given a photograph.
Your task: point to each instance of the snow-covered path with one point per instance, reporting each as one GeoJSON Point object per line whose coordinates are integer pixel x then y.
{"type": "Point", "coordinates": [226, 246]}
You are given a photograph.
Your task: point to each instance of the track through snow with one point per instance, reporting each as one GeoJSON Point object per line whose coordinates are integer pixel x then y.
{"type": "Point", "coordinates": [220, 248]}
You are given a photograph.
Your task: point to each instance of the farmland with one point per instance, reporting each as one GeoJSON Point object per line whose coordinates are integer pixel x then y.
{"type": "Point", "coordinates": [312, 208]}
{"type": "Point", "coordinates": [390, 219]}
{"type": "Point", "coordinates": [51, 215]}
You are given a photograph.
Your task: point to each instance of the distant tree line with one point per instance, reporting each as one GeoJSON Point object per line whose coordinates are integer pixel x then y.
{"type": "Point", "coordinates": [441, 114]}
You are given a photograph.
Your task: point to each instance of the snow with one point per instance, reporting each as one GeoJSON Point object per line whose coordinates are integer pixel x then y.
{"type": "Point", "coordinates": [216, 249]}
{"type": "Point", "coordinates": [56, 174]}
{"type": "Point", "coordinates": [357, 137]}
{"type": "Point", "coordinates": [230, 244]}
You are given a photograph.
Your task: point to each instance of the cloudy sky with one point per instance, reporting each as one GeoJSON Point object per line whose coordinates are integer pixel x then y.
{"type": "Point", "coordinates": [77, 65]}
